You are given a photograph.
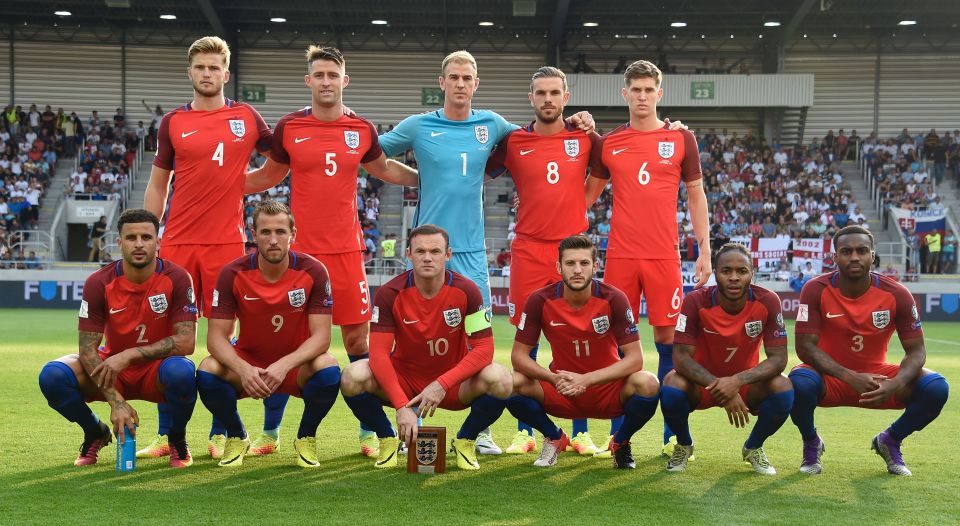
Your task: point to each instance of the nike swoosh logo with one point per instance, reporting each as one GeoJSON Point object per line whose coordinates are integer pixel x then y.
{"type": "Point", "coordinates": [615, 152]}
{"type": "Point", "coordinates": [384, 461]}
{"type": "Point", "coordinates": [114, 311]}
{"type": "Point", "coordinates": [708, 330]}
{"type": "Point", "coordinates": [524, 152]}
{"type": "Point", "coordinates": [467, 460]}
{"type": "Point", "coordinates": [555, 324]}
{"type": "Point", "coordinates": [298, 140]}
{"type": "Point", "coordinates": [674, 315]}
{"type": "Point", "coordinates": [833, 315]}
{"type": "Point", "coordinates": [435, 134]}
{"type": "Point", "coordinates": [410, 322]}
{"type": "Point", "coordinates": [364, 311]}
{"type": "Point", "coordinates": [184, 135]}
{"type": "Point", "coordinates": [248, 298]}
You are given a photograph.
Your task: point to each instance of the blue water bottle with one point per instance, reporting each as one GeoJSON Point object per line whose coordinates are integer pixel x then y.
{"type": "Point", "coordinates": [127, 452]}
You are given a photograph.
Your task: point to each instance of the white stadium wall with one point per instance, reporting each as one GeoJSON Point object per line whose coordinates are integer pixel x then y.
{"type": "Point", "coordinates": [5, 69]}
{"type": "Point", "coordinates": [916, 90]}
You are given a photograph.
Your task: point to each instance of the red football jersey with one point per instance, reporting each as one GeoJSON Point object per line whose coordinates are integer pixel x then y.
{"type": "Point", "coordinates": [855, 332]}
{"type": "Point", "coordinates": [273, 316]}
{"type": "Point", "coordinates": [325, 159]}
{"type": "Point", "coordinates": [549, 171]}
{"type": "Point", "coordinates": [646, 169]}
{"type": "Point", "coordinates": [584, 339]}
{"type": "Point", "coordinates": [131, 314]}
{"type": "Point", "coordinates": [209, 152]}
{"type": "Point", "coordinates": [430, 334]}
{"type": "Point", "coordinates": [726, 344]}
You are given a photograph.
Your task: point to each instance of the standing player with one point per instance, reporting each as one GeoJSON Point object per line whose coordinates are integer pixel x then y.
{"type": "Point", "coordinates": [323, 149]}
{"type": "Point", "coordinates": [452, 146]}
{"type": "Point", "coordinates": [844, 324]}
{"type": "Point", "coordinates": [716, 355]}
{"type": "Point", "coordinates": [586, 323]}
{"type": "Point", "coordinates": [423, 321]}
{"type": "Point", "coordinates": [282, 301]}
{"type": "Point", "coordinates": [208, 141]}
{"type": "Point", "coordinates": [646, 162]}
{"type": "Point", "coordinates": [548, 161]}
{"type": "Point", "coordinates": [145, 308]}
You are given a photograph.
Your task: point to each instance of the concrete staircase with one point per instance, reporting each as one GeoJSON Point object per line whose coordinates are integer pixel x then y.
{"type": "Point", "coordinates": [496, 211]}
{"type": "Point", "coordinates": [853, 177]}
{"type": "Point", "coordinates": [140, 181]}
{"type": "Point", "coordinates": [54, 194]}
{"type": "Point", "coordinates": [949, 190]}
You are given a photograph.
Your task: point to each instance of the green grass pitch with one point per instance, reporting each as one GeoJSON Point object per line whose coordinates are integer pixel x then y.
{"type": "Point", "coordinates": [38, 483]}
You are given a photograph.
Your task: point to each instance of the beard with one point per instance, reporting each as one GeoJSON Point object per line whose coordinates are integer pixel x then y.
{"type": "Point", "coordinates": [586, 283]}
{"type": "Point", "coordinates": [548, 119]}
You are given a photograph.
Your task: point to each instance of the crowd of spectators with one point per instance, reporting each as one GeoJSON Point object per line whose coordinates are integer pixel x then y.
{"type": "Point", "coordinates": [109, 150]}
{"type": "Point", "coordinates": [755, 190]}
{"type": "Point", "coordinates": [908, 169]}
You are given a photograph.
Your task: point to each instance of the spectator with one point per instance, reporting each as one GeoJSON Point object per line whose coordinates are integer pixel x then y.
{"type": "Point", "coordinates": [503, 258]}
{"type": "Point", "coordinates": [948, 256]}
{"type": "Point", "coordinates": [32, 262]}
{"type": "Point", "coordinates": [388, 246]}
{"type": "Point", "coordinates": [97, 232]}
{"type": "Point", "coordinates": [933, 240]}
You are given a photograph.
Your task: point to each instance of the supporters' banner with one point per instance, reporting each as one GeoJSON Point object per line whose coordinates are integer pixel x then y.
{"type": "Point", "coordinates": [924, 221]}
{"type": "Point", "coordinates": [812, 249]}
{"type": "Point", "coordinates": [766, 251]}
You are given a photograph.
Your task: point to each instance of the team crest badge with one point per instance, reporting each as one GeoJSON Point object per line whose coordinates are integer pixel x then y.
{"type": "Point", "coordinates": [780, 320]}
{"type": "Point", "coordinates": [572, 147]}
{"type": "Point", "coordinates": [753, 328]}
{"type": "Point", "coordinates": [511, 309]}
{"type": "Point", "coordinates": [191, 298]}
{"type": "Point", "coordinates": [881, 318]}
{"type": "Point", "coordinates": [297, 298]}
{"type": "Point", "coordinates": [427, 450]}
{"type": "Point", "coordinates": [158, 303]}
{"type": "Point", "coordinates": [665, 149]}
{"type": "Point", "coordinates": [352, 138]}
{"type": "Point", "coordinates": [601, 324]}
{"type": "Point", "coordinates": [629, 314]}
{"type": "Point", "coordinates": [482, 133]}
{"type": "Point", "coordinates": [452, 317]}
{"type": "Point", "coordinates": [238, 127]}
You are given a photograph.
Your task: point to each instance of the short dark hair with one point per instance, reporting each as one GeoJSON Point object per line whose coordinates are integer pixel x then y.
{"type": "Point", "coordinates": [548, 72]}
{"type": "Point", "coordinates": [577, 242]}
{"type": "Point", "coordinates": [137, 215]}
{"type": "Point", "coordinates": [271, 208]}
{"type": "Point", "coordinates": [732, 247]}
{"type": "Point", "coordinates": [429, 230]}
{"type": "Point", "coordinates": [852, 229]}
{"type": "Point", "coordinates": [332, 54]}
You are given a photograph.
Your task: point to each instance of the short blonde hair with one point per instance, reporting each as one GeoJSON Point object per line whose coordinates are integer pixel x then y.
{"type": "Point", "coordinates": [271, 208]}
{"type": "Point", "coordinates": [642, 69]}
{"type": "Point", "coordinates": [210, 45]}
{"type": "Point", "coordinates": [458, 57]}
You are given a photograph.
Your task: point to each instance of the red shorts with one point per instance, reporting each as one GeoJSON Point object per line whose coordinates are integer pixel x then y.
{"type": "Point", "coordinates": [658, 280]}
{"type": "Point", "coordinates": [707, 401]}
{"type": "Point", "coordinates": [839, 394]}
{"type": "Point", "coordinates": [413, 386]}
{"type": "Point", "coordinates": [533, 265]}
{"type": "Point", "coordinates": [598, 401]}
{"type": "Point", "coordinates": [203, 263]}
{"type": "Point", "coordinates": [137, 382]}
{"type": "Point", "coordinates": [289, 385]}
{"type": "Point", "coordinates": [348, 283]}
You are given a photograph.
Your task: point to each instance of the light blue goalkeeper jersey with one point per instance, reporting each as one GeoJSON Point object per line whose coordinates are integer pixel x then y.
{"type": "Point", "coordinates": [451, 157]}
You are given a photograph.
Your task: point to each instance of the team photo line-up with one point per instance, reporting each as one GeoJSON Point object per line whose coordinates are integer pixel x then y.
{"type": "Point", "coordinates": [425, 339]}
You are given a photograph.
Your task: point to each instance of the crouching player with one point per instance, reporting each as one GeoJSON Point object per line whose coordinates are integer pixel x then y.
{"type": "Point", "coordinates": [844, 323]}
{"type": "Point", "coordinates": [423, 321]}
{"type": "Point", "coordinates": [145, 307]}
{"type": "Point", "coordinates": [282, 301]}
{"type": "Point", "coordinates": [716, 358]}
{"type": "Point", "coordinates": [584, 321]}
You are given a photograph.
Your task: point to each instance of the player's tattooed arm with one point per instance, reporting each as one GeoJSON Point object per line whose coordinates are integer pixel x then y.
{"type": "Point", "coordinates": [687, 367]}
{"type": "Point", "coordinates": [181, 343]}
{"type": "Point", "coordinates": [699, 216]}
{"type": "Point", "coordinates": [91, 362]}
{"type": "Point", "coordinates": [775, 363]}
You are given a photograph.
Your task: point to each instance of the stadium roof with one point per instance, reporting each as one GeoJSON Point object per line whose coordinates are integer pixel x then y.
{"type": "Point", "coordinates": [555, 19]}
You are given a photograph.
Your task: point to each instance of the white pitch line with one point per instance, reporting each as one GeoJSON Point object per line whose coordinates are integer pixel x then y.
{"type": "Point", "coordinates": [947, 342]}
